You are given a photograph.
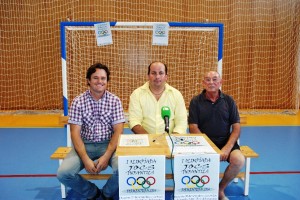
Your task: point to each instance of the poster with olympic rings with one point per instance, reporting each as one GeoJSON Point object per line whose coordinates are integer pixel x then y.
{"type": "Point", "coordinates": [160, 34]}
{"type": "Point", "coordinates": [142, 177]}
{"type": "Point", "coordinates": [103, 34]}
{"type": "Point", "coordinates": [189, 145]}
{"type": "Point", "coordinates": [196, 177]}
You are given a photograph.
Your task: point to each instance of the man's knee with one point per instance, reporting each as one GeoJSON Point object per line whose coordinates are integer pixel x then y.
{"type": "Point", "coordinates": [64, 174]}
{"type": "Point", "coordinates": [237, 158]}
{"type": "Point", "coordinates": [60, 174]}
{"type": "Point", "coordinates": [114, 163]}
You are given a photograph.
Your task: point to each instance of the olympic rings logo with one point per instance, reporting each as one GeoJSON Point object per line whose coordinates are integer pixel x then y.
{"type": "Point", "coordinates": [102, 32]}
{"type": "Point", "coordinates": [141, 182]}
{"type": "Point", "coordinates": [160, 32]}
{"type": "Point", "coordinates": [195, 181]}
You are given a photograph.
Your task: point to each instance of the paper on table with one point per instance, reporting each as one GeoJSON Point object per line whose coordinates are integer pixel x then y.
{"type": "Point", "coordinates": [189, 145]}
{"type": "Point", "coordinates": [134, 140]}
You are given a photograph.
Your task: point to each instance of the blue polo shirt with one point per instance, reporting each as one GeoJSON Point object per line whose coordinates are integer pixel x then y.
{"type": "Point", "coordinates": [214, 119]}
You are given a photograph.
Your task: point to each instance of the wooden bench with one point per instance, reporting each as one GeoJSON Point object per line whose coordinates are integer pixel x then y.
{"type": "Point", "coordinates": [61, 152]}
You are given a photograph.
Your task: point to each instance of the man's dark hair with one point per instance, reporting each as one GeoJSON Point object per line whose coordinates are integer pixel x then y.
{"type": "Point", "coordinates": [166, 69]}
{"type": "Point", "coordinates": [92, 69]}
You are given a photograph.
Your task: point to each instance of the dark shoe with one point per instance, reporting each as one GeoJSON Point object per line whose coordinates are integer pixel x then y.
{"type": "Point", "coordinates": [104, 197]}
{"type": "Point", "coordinates": [98, 194]}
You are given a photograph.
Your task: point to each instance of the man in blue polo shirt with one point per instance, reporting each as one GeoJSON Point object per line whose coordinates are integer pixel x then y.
{"type": "Point", "coordinates": [216, 114]}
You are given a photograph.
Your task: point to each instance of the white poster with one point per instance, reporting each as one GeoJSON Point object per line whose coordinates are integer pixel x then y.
{"type": "Point", "coordinates": [142, 177]}
{"type": "Point", "coordinates": [134, 140]}
{"type": "Point", "coordinates": [160, 34]}
{"type": "Point", "coordinates": [189, 144]}
{"type": "Point", "coordinates": [103, 34]}
{"type": "Point", "coordinates": [196, 177]}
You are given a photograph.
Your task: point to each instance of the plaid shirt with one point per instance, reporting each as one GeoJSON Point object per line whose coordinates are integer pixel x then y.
{"type": "Point", "coordinates": [96, 118]}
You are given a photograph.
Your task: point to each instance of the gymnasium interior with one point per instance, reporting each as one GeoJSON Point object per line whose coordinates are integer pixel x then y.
{"type": "Point", "coordinates": [256, 49]}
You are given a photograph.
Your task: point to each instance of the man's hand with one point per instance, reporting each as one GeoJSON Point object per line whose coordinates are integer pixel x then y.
{"type": "Point", "coordinates": [225, 152]}
{"type": "Point", "coordinates": [90, 167]}
{"type": "Point", "coordinates": [102, 163]}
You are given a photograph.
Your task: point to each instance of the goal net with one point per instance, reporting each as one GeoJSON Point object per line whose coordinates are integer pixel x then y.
{"type": "Point", "coordinates": [260, 65]}
{"type": "Point", "coordinates": [192, 50]}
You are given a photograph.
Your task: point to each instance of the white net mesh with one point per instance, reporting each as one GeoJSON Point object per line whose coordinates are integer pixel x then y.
{"type": "Point", "coordinates": [260, 60]}
{"type": "Point", "coordinates": [190, 53]}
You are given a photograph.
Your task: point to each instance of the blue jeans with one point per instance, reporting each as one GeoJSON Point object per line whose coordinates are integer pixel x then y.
{"type": "Point", "coordinates": [68, 175]}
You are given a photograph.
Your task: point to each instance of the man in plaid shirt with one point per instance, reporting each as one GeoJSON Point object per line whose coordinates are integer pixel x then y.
{"type": "Point", "coordinates": [96, 121]}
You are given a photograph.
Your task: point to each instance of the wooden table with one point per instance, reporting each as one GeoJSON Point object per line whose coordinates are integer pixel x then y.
{"type": "Point", "coordinates": [159, 147]}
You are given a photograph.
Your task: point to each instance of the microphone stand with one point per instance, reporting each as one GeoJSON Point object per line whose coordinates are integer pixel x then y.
{"type": "Point", "coordinates": [171, 156]}
{"type": "Point", "coordinates": [167, 130]}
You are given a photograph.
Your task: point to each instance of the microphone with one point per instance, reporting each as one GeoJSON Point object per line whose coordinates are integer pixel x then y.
{"type": "Point", "coordinates": [165, 114]}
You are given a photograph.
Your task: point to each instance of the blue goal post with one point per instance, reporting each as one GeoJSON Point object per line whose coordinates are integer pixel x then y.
{"type": "Point", "coordinates": [64, 25]}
